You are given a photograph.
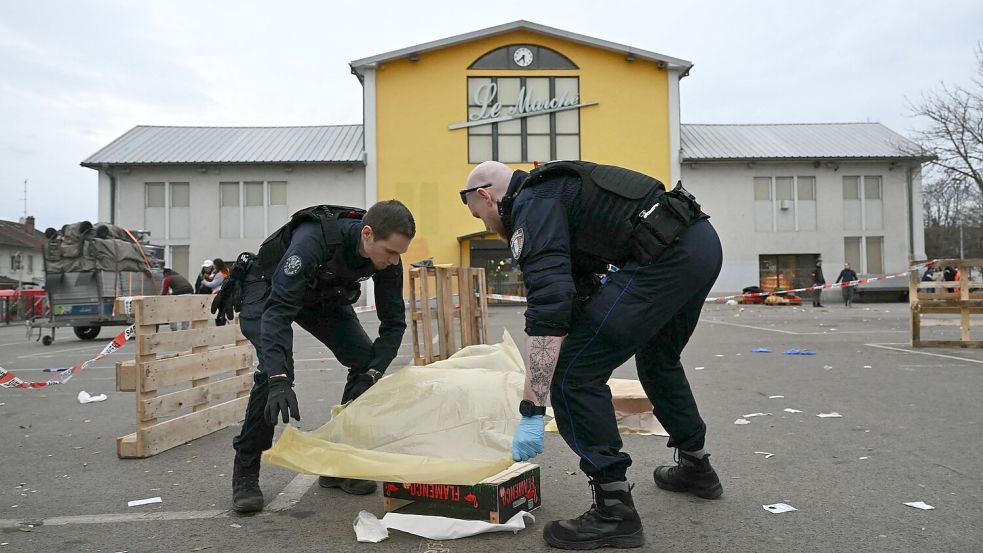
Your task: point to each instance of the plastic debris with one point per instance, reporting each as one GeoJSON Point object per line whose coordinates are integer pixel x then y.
{"type": "Point", "coordinates": [794, 351]}
{"type": "Point", "coordinates": [833, 415]}
{"type": "Point", "coordinates": [920, 505]}
{"type": "Point", "coordinates": [148, 501]}
{"type": "Point", "coordinates": [779, 508]}
{"type": "Point", "coordinates": [790, 410]}
{"type": "Point", "coordinates": [742, 421]}
{"type": "Point", "coordinates": [868, 367]}
{"type": "Point", "coordinates": [731, 302]}
{"type": "Point", "coordinates": [864, 458]}
{"type": "Point", "coordinates": [699, 368]}
{"type": "Point", "coordinates": [748, 416]}
{"type": "Point", "coordinates": [84, 397]}
{"type": "Point", "coordinates": [760, 350]}
{"type": "Point", "coordinates": [765, 453]}
{"type": "Point", "coordinates": [433, 527]}
{"type": "Point", "coordinates": [369, 529]}
{"type": "Point", "coordinates": [776, 397]}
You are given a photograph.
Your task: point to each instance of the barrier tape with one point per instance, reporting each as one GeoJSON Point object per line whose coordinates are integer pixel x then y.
{"type": "Point", "coordinates": [857, 282]}
{"type": "Point", "coordinates": [8, 380]}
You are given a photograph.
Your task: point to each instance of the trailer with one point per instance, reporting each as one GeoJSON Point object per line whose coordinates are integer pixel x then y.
{"type": "Point", "coordinates": [86, 268]}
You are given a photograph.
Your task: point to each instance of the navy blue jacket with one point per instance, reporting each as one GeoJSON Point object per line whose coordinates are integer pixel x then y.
{"type": "Point", "coordinates": [290, 286]}
{"type": "Point", "coordinates": [541, 243]}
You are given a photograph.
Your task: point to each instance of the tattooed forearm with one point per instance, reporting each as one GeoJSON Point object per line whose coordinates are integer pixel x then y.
{"type": "Point", "coordinates": [543, 352]}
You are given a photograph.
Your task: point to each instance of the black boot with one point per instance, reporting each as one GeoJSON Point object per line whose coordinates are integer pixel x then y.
{"type": "Point", "coordinates": [246, 495]}
{"type": "Point", "coordinates": [690, 474]}
{"type": "Point", "coordinates": [348, 485]}
{"type": "Point", "coordinates": [610, 522]}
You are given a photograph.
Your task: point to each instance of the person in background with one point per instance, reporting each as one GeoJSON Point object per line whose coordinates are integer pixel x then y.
{"type": "Point", "coordinates": [818, 280]}
{"type": "Point", "coordinates": [214, 284]}
{"type": "Point", "coordinates": [176, 285]}
{"type": "Point", "coordinates": [207, 268]}
{"type": "Point", "coordinates": [847, 275]}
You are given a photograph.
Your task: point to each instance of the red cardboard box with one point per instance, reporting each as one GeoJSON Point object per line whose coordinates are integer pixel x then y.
{"type": "Point", "coordinates": [495, 499]}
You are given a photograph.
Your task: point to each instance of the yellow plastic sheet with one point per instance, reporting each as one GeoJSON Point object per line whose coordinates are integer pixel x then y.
{"type": "Point", "coordinates": [450, 422]}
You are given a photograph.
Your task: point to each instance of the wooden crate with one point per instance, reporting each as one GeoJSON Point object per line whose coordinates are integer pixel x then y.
{"type": "Point", "coordinates": [928, 298]}
{"type": "Point", "coordinates": [438, 320]}
{"type": "Point", "coordinates": [495, 499]}
{"type": "Point", "coordinates": [205, 370]}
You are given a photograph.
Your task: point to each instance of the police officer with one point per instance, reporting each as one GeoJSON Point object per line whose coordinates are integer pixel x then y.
{"type": "Point", "coordinates": [566, 222]}
{"type": "Point", "coordinates": [818, 280]}
{"type": "Point", "coordinates": [309, 272]}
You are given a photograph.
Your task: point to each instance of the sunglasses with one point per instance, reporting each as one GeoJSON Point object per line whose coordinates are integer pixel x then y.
{"type": "Point", "coordinates": [464, 193]}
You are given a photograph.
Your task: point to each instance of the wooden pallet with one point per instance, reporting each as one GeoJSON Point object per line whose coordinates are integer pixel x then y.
{"type": "Point", "coordinates": [206, 370]}
{"type": "Point", "coordinates": [928, 298]}
{"type": "Point", "coordinates": [466, 319]}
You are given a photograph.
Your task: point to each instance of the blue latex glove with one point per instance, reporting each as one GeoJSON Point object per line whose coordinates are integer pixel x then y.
{"type": "Point", "coordinates": [528, 440]}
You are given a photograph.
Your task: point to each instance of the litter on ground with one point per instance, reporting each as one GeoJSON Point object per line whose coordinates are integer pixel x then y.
{"type": "Point", "coordinates": [794, 351]}
{"type": "Point", "coordinates": [761, 350]}
{"type": "Point", "coordinates": [833, 415]}
{"type": "Point", "coordinates": [148, 501]}
{"type": "Point", "coordinates": [779, 508]}
{"type": "Point", "coordinates": [790, 410]}
{"type": "Point", "coordinates": [742, 421]}
{"type": "Point", "coordinates": [920, 505]}
{"type": "Point", "coordinates": [765, 453]}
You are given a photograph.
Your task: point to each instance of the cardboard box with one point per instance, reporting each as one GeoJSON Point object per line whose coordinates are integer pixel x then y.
{"type": "Point", "coordinates": [495, 499]}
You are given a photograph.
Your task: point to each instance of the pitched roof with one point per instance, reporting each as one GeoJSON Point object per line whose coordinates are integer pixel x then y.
{"type": "Point", "coordinates": [359, 65]}
{"type": "Point", "coordinates": [795, 141]}
{"type": "Point", "coordinates": [147, 145]}
{"type": "Point", "coordinates": [14, 234]}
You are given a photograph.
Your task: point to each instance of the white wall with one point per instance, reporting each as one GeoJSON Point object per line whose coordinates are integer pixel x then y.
{"type": "Point", "coordinates": [306, 185]}
{"type": "Point", "coordinates": [726, 192]}
{"type": "Point", "coordinates": [5, 269]}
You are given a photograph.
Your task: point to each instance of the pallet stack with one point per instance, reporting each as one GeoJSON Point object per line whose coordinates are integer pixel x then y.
{"type": "Point", "coordinates": [188, 383]}
{"type": "Point", "coordinates": [962, 297]}
{"type": "Point", "coordinates": [447, 303]}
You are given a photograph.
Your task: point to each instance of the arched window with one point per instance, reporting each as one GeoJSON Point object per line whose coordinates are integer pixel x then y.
{"type": "Point", "coordinates": [523, 56]}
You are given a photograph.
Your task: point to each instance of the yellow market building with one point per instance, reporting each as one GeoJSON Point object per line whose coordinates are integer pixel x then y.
{"type": "Point", "coordinates": [519, 93]}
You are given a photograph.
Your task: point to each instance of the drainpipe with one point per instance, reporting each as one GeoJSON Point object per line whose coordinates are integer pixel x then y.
{"type": "Point", "coordinates": [909, 188]}
{"type": "Point", "coordinates": [112, 193]}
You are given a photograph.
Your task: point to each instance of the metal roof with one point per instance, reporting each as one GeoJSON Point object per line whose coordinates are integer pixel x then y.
{"type": "Point", "coordinates": [795, 141]}
{"type": "Point", "coordinates": [147, 145]}
{"type": "Point", "coordinates": [360, 64]}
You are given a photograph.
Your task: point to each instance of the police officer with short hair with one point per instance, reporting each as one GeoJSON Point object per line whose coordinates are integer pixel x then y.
{"type": "Point", "coordinates": [310, 272]}
{"type": "Point", "coordinates": [566, 222]}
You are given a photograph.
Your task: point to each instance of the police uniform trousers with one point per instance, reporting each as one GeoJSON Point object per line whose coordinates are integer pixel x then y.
{"type": "Point", "coordinates": [338, 328]}
{"type": "Point", "coordinates": [649, 312]}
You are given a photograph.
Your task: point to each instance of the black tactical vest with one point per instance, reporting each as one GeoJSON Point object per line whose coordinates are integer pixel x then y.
{"type": "Point", "coordinates": [332, 283]}
{"type": "Point", "coordinates": [611, 199]}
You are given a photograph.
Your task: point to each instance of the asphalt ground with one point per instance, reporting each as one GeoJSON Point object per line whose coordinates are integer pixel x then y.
{"type": "Point", "coordinates": [910, 431]}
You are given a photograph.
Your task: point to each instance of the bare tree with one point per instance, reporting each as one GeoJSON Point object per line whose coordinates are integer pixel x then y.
{"type": "Point", "coordinates": [955, 132]}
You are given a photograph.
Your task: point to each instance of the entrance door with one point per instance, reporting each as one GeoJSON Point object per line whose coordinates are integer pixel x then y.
{"type": "Point", "coordinates": [786, 271]}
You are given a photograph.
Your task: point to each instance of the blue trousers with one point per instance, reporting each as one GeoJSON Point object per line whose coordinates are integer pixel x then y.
{"type": "Point", "coordinates": [649, 312]}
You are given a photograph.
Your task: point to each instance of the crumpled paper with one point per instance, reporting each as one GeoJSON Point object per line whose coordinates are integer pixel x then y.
{"type": "Point", "coordinates": [370, 529]}
{"type": "Point", "coordinates": [84, 397]}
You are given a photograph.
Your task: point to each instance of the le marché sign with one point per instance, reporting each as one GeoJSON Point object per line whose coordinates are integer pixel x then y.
{"type": "Point", "coordinates": [524, 106]}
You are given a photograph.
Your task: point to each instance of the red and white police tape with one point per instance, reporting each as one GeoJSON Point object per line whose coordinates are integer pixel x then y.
{"type": "Point", "coordinates": [858, 282]}
{"type": "Point", "coordinates": [8, 380]}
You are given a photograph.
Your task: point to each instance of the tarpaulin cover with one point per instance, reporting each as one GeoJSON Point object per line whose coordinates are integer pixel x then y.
{"type": "Point", "coordinates": [81, 247]}
{"type": "Point", "coordinates": [450, 422]}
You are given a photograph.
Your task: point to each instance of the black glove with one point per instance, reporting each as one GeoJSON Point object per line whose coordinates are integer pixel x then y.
{"type": "Point", "coordinates": [281, 399]}
{"type": "Point", "coordinates": [363, 381]}
{"type": "Point", "coordinates": [229, 297]}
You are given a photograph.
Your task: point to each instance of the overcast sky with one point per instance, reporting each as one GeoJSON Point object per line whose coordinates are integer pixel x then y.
{"type": "Point", "coordinates": [76, 75]}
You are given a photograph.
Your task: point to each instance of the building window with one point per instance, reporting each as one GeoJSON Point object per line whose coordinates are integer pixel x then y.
{"type": "Point", "coordinates": [250, 209]}
{"type": "Point", "coordinates": [523, 56]}
{"type": "Point", "coordinates": [180, 194]}
{"type": "Point", "coordinates": [786, 271]}
{"type": "Point", "coordinates": [522, 138]}
{"type": "Point", "coordinates": [851, 252]}
{"type": "Point", "coordinates": [785, 203]}
{"type": "Point", "coordinates": [155, 194]}
{"type": "Point", "coordinates": [875, 255]}
{"type": "Point", "coordinates": [863, 206]}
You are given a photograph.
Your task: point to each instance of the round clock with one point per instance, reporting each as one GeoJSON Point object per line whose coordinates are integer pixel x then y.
{"type": "Point", "coordinates": [522, 57]}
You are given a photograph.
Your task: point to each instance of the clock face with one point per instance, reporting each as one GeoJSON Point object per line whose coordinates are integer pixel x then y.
{"type": "Point", "coordinates": [522, 57]}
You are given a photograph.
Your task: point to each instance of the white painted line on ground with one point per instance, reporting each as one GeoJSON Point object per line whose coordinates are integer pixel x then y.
{"type": "Point", "coordinates": [827, 333]}
{"type": "Point", "coordinates": [292, 494]}
{"type": "Point", "coordinates": [116, 518]}
{"type": "Point", "coordinates": [883, 346]}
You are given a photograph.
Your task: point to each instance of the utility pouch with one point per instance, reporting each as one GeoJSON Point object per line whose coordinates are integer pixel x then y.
{"type": "Point", "coordinates": [662, 224]}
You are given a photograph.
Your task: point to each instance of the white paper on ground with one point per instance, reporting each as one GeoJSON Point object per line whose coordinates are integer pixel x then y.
{"type": "Point", "coordinates": [148, 501]}
{"type": "Point", "coordinates": [833, 415]}
{"type": "Point", "coordinates": [742, 421]}
{"type": "Point", "coordinates": [369, 529]}
{"type": "Point", "coordinates": [699, 368]}
{"type": "Point", "coordinates": [776, 397]}
{"type": "Point", "coordinates": [920, 505]}
{"type": "Point", "coordinates": [766, 454]}
{"type": "Point", "coordinates": [779, 508]}
{"type": "Point", "coordinates": [748, 416]}
{"type": "Point", "coordinates": [790, 410]}
{"type": "Point", "coordinates": [84, 397]}
{"type": "Point", "coordinates": [443, 528]}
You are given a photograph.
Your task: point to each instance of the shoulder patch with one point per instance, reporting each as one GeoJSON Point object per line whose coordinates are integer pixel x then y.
{"type": "Point", "coordinates": [292, 265]}
{"type": "Point", "coordinates": [518, 239]}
